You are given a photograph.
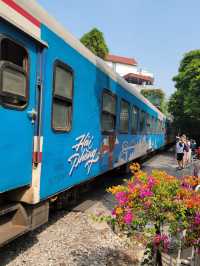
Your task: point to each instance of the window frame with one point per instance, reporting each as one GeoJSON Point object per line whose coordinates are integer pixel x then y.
{"type": "Point", "coordinates": [156, 126]}
{"type": "Point", "coordinates": [61, 64]}
{"type": "Point", "coordinates": [107, 91]}
{"type": "Point", "coordinates": [121, 131]}
{"type": "Point", "coordinates": [138, 118]}
{"type": "Point", "coordinates": [152, 121]}
{"type": "Point", "coordinates": [18, 68]}
{"type": "Point", "coordinates": [159, 126]}
{"type": "Point", "coordinates": [153, 125]}
{"type": "Point", "coordinates": [143, 115]}
{"type": "Point", "coordinates": [148, 123]}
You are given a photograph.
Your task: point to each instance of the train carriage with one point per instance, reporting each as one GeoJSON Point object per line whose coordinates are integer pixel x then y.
{"type": "Point", "coordinates": [66, 117]}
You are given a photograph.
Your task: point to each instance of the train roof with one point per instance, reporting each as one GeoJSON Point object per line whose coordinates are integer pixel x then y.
{"type": "Point", "coordinates": [37, 15]}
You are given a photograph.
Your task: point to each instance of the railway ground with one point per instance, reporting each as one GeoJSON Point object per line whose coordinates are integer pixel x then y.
{"type": "Point", "coordinates": [73, 238]}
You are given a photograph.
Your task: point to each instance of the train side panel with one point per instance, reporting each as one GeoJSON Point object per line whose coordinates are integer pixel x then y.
{"type": "Point", "coordinates": [70, 158]}
{"type": "Point", "coordinates": [59, 169]}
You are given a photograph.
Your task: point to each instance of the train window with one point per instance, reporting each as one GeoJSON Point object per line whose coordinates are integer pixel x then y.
{"type": "Point", "coordinates": [148, 123]}
{"type": "Point", "coordinates": [124, 117]}
{"type": "Point", "coordinates": [108, 112]}
{"type": "Point", "coordinates": [13, 74]}
{"type": "Point", "coordinates": [62, 97]}
{"type": "Point", "coordinates": [159, 126]}
{"type": "Point", "coordinates": [153, 124]}
{"type": "Point", "coordinates": [13, 52]}
{"type": "Point", "coordinates": [164, 126]}
{"type": "Point", "coordinates": [142, 122]}
{"type": "Point", "coordinates": [134, 120]}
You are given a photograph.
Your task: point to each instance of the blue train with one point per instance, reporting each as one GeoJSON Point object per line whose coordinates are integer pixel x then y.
{"type": "Point", "coordinates": [66, 117]}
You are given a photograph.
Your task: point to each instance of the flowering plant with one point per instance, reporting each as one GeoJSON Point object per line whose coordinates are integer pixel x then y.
{"type": "Point", "coordinates": [150, 203]}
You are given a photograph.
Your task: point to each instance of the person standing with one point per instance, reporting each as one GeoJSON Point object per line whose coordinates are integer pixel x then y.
{"type": "Point", "coordinates": [190, 151]}
{"type": "Point", "coordinates": [180, 152]}
{"type": "Point", "coordinates": [187, 153]}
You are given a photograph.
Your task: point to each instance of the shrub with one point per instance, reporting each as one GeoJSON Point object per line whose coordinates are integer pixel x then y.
{"type": "Point", "coordinates": [151, 203]}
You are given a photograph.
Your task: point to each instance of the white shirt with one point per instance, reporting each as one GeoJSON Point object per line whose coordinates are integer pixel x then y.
{"type": "Point", "coordinates": [179, 148]}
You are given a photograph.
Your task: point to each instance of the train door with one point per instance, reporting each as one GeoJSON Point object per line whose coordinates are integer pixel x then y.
{"type": "Point", "coordinates": [18, 60]}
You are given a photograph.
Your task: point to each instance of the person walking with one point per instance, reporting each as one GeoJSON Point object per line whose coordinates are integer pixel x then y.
{"type": "Point", "coordinates": [180, 153]}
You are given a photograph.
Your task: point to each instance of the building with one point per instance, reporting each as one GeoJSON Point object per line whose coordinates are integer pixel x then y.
{"type": "Point", "coordinates": [128, 68]}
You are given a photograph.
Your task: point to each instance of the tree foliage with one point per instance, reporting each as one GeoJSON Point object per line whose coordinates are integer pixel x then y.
{"type": "Point", "coordinates": [156, 97]}
{"type": "Point", "coordinates": [95, 42]}
{"type": "Point", "coordinates": [184, 104]}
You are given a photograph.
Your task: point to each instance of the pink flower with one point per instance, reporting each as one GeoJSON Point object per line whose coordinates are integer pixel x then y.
{"type": "Point", "coordinates": [151, 182]}
{"type": "Point", "coordinates": [121, 197]}
{"type": "Point", "coordinates": [131, 186]}
{"type": "Point", "coordinates": [157, 240]}
{"type": "Point", "coordinates": [197, 219]}
{"type": "Point", "coordinates": [161, 240]}
{"type": "Point", "coordinates": [165, 240]}
{"type": "Point", "coordinates": [128, 217]}
{"type": "Point", "coordinates": [113, 212]}
{"type": "Point", "coordinates": [145, 192]}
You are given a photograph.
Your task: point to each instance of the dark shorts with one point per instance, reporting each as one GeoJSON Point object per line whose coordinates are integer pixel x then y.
{"type": "Point", "coordinates": [180, 156]}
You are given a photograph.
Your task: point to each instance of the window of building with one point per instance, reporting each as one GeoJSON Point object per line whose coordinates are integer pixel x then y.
{"type": "Point", "coordinates": [124, 117]}
{"type": "Point", "coordinates": [62, 97]}
{"type": "Point", "coordinates": [108, 121]}
{"type": "Point", "coordinates": [142, 122]}
{"type": "Point", "coordinates": [13, 74]}
{"type": "Point", "coordinates": [134, 120]}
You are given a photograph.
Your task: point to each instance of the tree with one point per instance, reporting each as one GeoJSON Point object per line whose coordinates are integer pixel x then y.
{"type": "Point", "coordinates": [156, 97]}
{"type": "Point", "coordinates": [95, 42]}
{"type": "Point", "coordinates": [184, 104]}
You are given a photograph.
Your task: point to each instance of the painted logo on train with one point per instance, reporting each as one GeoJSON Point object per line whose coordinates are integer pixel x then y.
{"type": "Point", "coordinates": [84, 153]}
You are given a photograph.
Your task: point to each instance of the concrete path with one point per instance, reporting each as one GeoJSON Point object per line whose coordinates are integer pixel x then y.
{"type": "Point", "coordinates": [167, 161]}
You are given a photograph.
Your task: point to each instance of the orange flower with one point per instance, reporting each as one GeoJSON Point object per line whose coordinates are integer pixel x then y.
{"type": "Point", "coordinates": [118, 210]}
{"type": "Point", "coordinates": [115, 189]}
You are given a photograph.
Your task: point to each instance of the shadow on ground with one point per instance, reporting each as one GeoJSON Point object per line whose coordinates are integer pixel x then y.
{"type": "Point", "coordinates": [111, 257]}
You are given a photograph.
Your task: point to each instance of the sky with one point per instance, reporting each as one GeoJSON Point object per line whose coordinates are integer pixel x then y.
{"type": "Point", "coordinates": [157, 33]}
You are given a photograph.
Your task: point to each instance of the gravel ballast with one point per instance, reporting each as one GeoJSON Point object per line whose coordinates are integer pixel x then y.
{"type": "Point", "coordinates": [73, 239]}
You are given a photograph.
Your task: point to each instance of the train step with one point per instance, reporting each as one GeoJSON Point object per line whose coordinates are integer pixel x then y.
{"type": "Point", "coordinates": [13, 222]}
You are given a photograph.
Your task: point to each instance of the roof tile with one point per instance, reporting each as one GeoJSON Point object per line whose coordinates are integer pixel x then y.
{"type": "Point", "coordinates": [122, 60]}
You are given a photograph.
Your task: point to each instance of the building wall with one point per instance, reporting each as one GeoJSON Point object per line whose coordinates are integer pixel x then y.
{"type": "Point", "coordinates": [123, 69]}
